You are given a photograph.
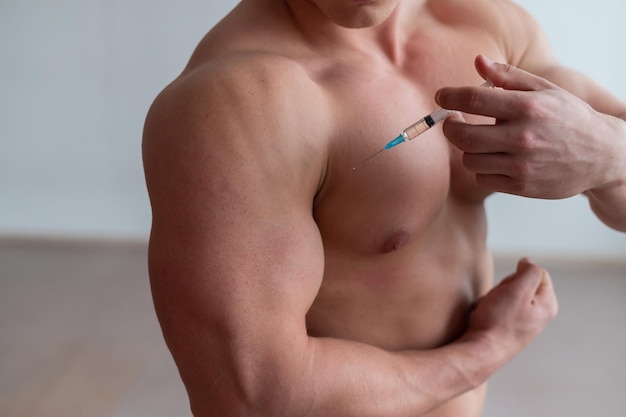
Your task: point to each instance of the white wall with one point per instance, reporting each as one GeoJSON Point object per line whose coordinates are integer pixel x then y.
{"type": "Point", "coordinates": [77, 77]}
{"type": "Point", "coordinates": [76, 80]}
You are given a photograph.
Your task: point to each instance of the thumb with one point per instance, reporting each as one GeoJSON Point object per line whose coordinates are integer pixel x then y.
{"type": "Point", "coordinates": [538, 281]}
{"type": "Point", "coordinates": [509, 77]}
{"type": "Point", "coordinates": [527, 277]}
{"type": "Point", "coordinates": [546, 286]}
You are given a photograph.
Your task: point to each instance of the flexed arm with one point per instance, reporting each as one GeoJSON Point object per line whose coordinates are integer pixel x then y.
{"type": "Point", "coordinates": [236, 261]}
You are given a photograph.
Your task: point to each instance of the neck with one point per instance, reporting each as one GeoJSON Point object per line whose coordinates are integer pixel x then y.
{"type": "Point", "coordinates": [382, 31]}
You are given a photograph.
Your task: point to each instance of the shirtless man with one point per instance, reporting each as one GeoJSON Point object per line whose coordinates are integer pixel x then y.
{"type": "Point", "coordinates": [288, 284]}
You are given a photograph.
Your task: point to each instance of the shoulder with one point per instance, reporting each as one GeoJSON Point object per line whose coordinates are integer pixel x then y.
{"type": "Point", "coordinates": [493, 13]}
{"type": "Point", "coordinates": [239, 92]}
{"type": "Point", "coordinates": [254, 115]}
{"type": "Point", "coordinates": [510, 26]}
{"type": "Point", "coordinates": [251, 83]}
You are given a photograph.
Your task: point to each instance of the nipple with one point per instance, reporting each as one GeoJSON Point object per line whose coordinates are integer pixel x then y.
{"type": "Point", "coordinates": [394, 242]}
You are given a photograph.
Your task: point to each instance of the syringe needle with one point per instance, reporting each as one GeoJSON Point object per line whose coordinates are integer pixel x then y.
{"type": "Point", "coordinates": [354, 168]}
{"type": "Point", "coordinates": [417, 128]}
{"type": "Point", "coordinates": [398, 140]}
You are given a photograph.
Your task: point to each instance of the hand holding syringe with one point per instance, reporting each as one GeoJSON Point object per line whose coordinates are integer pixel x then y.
{"type": "Point", "coordinates": [417, 128]}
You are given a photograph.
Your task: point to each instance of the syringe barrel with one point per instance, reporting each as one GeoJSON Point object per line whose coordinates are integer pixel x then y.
{"type": "Point", "coordinates": [416, 128]}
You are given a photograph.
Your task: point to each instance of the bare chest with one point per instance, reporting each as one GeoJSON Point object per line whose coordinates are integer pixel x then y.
{"type": "Point", "coordinates": [403, 192]}
{"type": "Point", "coordinates": [404, 235]}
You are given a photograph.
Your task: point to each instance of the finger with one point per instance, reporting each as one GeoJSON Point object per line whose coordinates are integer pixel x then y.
{"type": "Point", "coordinates": [509, 77]}
{"type": "Point", "coordinates": [490, 163]}
{"type": "Point", "coordinates": [489, 102]}
{"type": "Point", "coordinates": [509, 185]}
{"type": "Point", "coordinates": [505, 103]}
{"type": "Point", "coordinates": [518, 276]}
{"type": "Point", "coordinates": [546, 296]}
{"type": "Point", "coordinates": [476, 138]}
{"type": "Point", "coordinates": [546, 286]}
{"type": "Point", "coordinates": [529, 276]}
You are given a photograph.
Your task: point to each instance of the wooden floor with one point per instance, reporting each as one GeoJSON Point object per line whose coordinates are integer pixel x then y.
{"type": "Point", "coordinates": [79, 338]}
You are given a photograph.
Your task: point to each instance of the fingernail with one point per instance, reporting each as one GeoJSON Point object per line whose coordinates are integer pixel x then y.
{"type": "Point", "coordinates": [488, 61]}
{"type": "Point", "coordinates": [457, 114]}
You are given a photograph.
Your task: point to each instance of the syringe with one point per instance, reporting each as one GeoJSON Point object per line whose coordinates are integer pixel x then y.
{"type": "Point", "coordinates": [417, 128]}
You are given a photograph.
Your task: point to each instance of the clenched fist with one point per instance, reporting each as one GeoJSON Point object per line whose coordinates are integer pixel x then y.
{"type": "Point", "coordinates": [514, 312]}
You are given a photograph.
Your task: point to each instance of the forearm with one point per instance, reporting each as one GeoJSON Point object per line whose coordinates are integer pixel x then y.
{"type": "Point", "coordinates": [609, 200]}
{"type": "Point", "coordinates": [350, 379]}
{"type": "Point", "coordinates": [333, 377]}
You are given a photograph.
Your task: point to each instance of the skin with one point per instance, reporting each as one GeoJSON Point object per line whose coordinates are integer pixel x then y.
{"type": "Point", "coordinates": [287, 284]}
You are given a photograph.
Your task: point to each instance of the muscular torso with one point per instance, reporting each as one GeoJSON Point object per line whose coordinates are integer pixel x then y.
{"type": "Point", "coordinates": [404, 236]}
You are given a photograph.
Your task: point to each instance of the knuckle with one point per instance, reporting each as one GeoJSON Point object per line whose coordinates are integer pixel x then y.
{"type": "Point", "coordinates": [526, 139]}
{"type": "Point", "coordinates": [526, 107]}
{"type": "Point", "coordinates": [505, 74]}
{"type": "Point", "coordinates": [549, 311]}
{"type": "Point", "coordinates": [510, 68]}
{"type": "Point", "coordinates": [522, 169]}
{"type": "Point", "coordinates": [474, 99]}
{"type": "Point", "coordinates": [520, 187]}
{"type": "Point", "coordinates": [531, 107]}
